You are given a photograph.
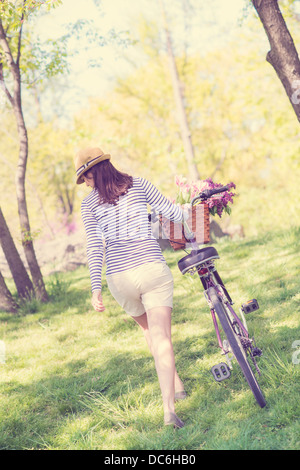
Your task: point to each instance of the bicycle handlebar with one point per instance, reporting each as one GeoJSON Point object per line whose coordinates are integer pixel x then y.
{"type": "Point", "coordinates": [207, 193]}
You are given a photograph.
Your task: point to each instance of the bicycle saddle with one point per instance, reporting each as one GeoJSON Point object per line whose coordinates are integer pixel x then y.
{"type": "Point", "coordinates": [197, 257]}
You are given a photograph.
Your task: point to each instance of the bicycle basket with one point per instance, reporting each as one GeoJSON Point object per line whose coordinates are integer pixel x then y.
{"type": "Point", "coordinates": [198, 222]}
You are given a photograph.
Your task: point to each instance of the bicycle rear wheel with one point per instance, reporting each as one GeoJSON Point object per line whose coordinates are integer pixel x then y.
{"type": "Point", "coordinates": [236, 346]}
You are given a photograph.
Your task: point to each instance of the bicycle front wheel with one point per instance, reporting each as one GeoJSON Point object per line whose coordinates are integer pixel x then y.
{"type": "Point", "coordinates": [236, 346]}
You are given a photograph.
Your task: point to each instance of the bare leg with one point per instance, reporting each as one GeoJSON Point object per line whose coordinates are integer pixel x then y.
{"type": "Point", "coordinates": [143, 322]}
{"type": "Point", "coordinates": [159, 327]}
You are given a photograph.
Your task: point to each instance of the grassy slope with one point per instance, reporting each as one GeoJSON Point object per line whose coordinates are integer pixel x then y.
{"type": "Point", "coordinates": [77, 379]}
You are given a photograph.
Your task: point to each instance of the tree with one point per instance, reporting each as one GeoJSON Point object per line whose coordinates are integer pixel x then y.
{"type": "Point", "coordinates": [22, 281]}
{"type": "Point", "coordinates": [179, 99]}
{"type": "Point", "coordinates": [6, 301]}
{"type": "Point", "coordinates": [283, 55]}
{"type": "Point", "coordinates": [12, 17]}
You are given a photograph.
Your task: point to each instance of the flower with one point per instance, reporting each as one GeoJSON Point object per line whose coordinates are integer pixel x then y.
{"type": "Point", "coordinates": [217, 204]}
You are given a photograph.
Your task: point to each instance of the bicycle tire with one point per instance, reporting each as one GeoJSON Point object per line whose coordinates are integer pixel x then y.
{"type": "Point", "coordinates": [236, 347]}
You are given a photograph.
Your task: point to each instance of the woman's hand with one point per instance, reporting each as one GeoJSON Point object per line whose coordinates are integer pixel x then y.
{"type": "Point", "coordinates": [97, 302]}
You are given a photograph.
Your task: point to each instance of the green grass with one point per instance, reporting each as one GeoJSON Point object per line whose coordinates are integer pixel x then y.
{"type": "Point", "coordinates": [78, 379]}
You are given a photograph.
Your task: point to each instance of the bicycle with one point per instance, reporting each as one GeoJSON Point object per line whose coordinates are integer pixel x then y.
{"type": "Point", "coordinates": [237, 340]}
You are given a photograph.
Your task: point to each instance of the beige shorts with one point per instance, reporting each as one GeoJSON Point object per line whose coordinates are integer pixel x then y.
{"type": "Point", "coordinates": [142, 288]}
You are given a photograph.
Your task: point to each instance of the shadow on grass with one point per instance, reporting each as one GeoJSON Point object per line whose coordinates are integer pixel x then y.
{"type": "Point", "coordinates": [45, 405]}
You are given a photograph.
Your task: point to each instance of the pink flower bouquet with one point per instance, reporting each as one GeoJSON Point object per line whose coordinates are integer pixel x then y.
{"type": "Point", "coordinates": [217, 204]}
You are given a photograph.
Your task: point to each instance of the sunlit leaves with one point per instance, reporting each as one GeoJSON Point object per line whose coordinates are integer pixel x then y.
{"type": "Point", "coordinates": [37, 60]}
{"type": "Point", "coordinates": [42, 60]}
{"type": "Point", "coordinates": [14, 13]}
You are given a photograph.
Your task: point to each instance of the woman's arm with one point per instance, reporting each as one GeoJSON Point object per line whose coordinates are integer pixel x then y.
{"type": "Point", "coordinates": [94, 247]}
{"type": "Point", "coordinates": [160, 203]}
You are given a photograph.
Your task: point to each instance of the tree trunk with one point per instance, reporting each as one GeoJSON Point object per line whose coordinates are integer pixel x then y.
{"type": "Point", "coordinates": [179, 99]}
{"type": "Point", "coordinates": [22, 281]}
{"type": "Point", "coordinates": [16, 102]}
{"type": "Point", "coordinates": [283, 55]}
{"type": "Point", "coordinates": [6, 301]}
{"type": "Point", "coordinates": [27, 242]}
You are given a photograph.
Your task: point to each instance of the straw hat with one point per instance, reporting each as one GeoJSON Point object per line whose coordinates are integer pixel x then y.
{"type": "Point", "coordinates": [87, 158]}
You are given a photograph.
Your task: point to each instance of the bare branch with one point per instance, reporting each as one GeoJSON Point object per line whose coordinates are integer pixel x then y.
{"type": "Point", "coordinates": [6, 49]}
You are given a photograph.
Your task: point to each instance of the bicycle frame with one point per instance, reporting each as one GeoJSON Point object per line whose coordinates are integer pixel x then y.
{"type": "Point", "coordinates": [237, 340]}
{"type": "Point", "coordinates": [210, 277]}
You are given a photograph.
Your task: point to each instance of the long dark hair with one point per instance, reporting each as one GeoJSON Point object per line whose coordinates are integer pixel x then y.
{"type": "Point", "coordinates": [110, 182]}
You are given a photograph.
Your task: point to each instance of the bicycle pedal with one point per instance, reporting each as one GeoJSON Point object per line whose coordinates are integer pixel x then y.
{"type": "Point", "coordinates": [220, 372]}
{"type": "Point", "coordinates": [256, 352]}
{"type": "Point", "coordinates": [250, 306]}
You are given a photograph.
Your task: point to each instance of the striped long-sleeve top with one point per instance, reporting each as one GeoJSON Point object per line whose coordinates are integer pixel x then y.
{"type": "Point", "coordinates": [124, 229]}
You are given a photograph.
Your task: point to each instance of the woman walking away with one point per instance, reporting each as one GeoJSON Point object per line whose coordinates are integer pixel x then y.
{"type": "Point", "coordinates": [136, 272]}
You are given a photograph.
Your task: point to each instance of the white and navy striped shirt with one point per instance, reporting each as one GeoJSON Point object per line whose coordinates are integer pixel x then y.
{"type": "Point", "coordinates": [124, 228]}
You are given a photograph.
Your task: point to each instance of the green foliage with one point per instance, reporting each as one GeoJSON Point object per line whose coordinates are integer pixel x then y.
{"type": "Point", "coordinates": [42, 61]}
{"type": "Point", "coordinates": [36, 60]}
{"type": "Point", "coordinates": [239, 131]}
{"type": "Point", "coordinates": [29, 306]}
{"type": "Point", "coordinates": [57, 287]}
{"type": "Point", "coordinates": [28, 237]}
{"type": "Point", "coordinates": [14, 13]}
